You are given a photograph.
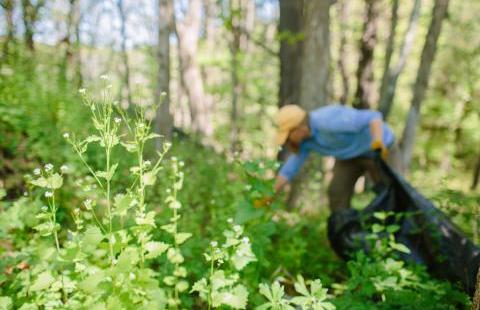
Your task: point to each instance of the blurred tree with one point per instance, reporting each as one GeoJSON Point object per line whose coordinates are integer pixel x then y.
{"type": "Point", "coordinates": [314, 78]}
{"type": "Point", "coordinates": [234, 25]}
{"type": "Point", "coordinates": [8, 6]}
{"type": "Point", "coordinates": [164, 122]}
{"type": "Point", "coordinates": [391, 74]}
{"type": "Point", "coordinates": [188, 32]}
{"type": "Point", "coordinates": [364, 95]}
{"type": "Point", "coordinates": [290, 36]}
{"type": "Point", "coordinates": [407, 141]}
{"type": "Point", "coordinates": [30, 17]}
{"type": "Point", "coordinates": [476, 174]}
{"type": "Point", "coordinates": [343, 8]}
{"type": "Point", "coordinates": [123, 52]}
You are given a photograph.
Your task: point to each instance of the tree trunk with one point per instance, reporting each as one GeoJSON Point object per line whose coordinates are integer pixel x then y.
{"type": "Point", "coordinates": [30, 15]}
{"type": "Point", "coordinates": [390, 78]}
{"type": "Point", "coordinates": [364, 95]}
{"type": "Point", "coordinates": [421, 84]}
{"type": "Point", "coordinates": [187, 33]}
{"type": "Point", "coordinates": [290, 29]}
{"type": "Point", "coordinates": [164, 121]}
{"type": "Point", "coordinates": [236, 41]}
{"type": "Point", "coordinates": [123, 52]}
{"type": "Point", "coordinates": [314, 79]}
{"type": "Point", "coordinates": [8, 6]}
{"type": "Point", "coordinates": [342, 7]}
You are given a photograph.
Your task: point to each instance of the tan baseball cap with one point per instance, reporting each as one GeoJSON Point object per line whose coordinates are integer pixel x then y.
{"type": "Point", "coordinates": [288, 118]}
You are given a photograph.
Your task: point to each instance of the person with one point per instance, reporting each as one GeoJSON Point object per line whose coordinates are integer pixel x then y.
{"type": "Point", "coordinates": [349, 135]}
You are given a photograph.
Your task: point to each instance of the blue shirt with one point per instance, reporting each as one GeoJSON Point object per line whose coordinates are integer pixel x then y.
{"type": "Point", "coordinates": [338, 131]}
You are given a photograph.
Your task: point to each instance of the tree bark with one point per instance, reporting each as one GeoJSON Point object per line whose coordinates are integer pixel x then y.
{"type": "Point", "coordinates": [314, 78]}
{"type": "Point", "coordinates": [164, 122]}
{"type": "Point", "coordinates": [407, 141]}
{"type": "Point", "coordinates": [30, 16]}
{"type": "Point", "coordinates": [123, 52]}
{"type": "Point", "coordinates": [390, 78]}
{"type": "Point", "coordinates": [8, 6]}
{"type": "Point", "coordinates": [364, 95]}
{"type": "Point", "coordinates": [290, 29]}
{"type": "Point", "coordinates": [342, 7]}
{"type": "Point", "coordinates": [236, 41]}
{"type": "Point", "coordinates": [187, 33]}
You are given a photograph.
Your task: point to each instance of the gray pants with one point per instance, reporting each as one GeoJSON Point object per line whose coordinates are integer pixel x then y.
{"type": "Point", "coordinates": [345, 175]}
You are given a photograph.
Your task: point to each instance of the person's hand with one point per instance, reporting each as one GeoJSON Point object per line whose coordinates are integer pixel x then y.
{"type": "Point", "coordinates": [380, 147]}
{"type": "Point", "coordinates": [263, 202]}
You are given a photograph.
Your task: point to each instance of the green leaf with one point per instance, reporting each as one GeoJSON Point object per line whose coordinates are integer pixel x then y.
{"type": "Point", "coordinates": [236, 298]}
{"type": "Point", "coordinates": [152, 136]}
{"type": "Point", "coordinates": [40, 182]}
{"type": "Point", "coordinates": [399, 247]}
{"type": "Point", "coordinates": [149, 178]}
{"type": "Point", "coordinates": [170, 228]}
{"type": "Point", "coordinates": [155, 249]}
{"type": "Point", "coordinates": [43, 281]}
{"type": "Point", "coordinates": [243, 256]}
{"type": "Point", "coordinates": [130, 147]}
{"type": "Point", "coordinates": [90, 283]}
{"type": "Point", "coordinates": [174, 256]}
{"type": "Point", "coordinates": [107, 175]}
{"type": "Point", "coordinates": [54, 181]}
{"type": "Point", "coordinates": [127, 259]}
{"type": "Point", "coordinates": [91, 239]}
{"type": "Point", "coordinates": [5, 303]}
{"type": "Point", "coordinates": [376, 228]}
{"type": "Point", "coordinates": [122, 203]}
{"type": "Point", "coordinates": [182, 237]}
{"type": "Point", "coordinates": [182, 286]}
{"type": "Point", "coordinates": [148, 220]}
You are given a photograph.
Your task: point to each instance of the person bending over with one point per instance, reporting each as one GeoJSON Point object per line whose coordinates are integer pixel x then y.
{"type": "Point", "coordinates": [349, 135]}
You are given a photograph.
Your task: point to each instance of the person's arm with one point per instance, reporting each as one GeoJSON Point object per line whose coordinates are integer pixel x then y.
{"type": "Point", "coordinates": [280, 183]}
{"type": "Point", "coordinates": [376, 134]}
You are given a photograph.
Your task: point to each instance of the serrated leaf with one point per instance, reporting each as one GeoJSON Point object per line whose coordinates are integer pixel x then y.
{"type": "Point", "coordinates": [155, 249]}
{"type": "Point", "coordinates": [148, 220]}
{"type": "Point", "coordinates": [43, 281]}
{"type": "Point", "coordinates": [91, 238]}
{"type": "Point", "coordinates": [243, 256]}
{"type": "Point", "coordinates": [130, 147]}
{"type": "Point", "coordinates": [127, 259]}
{"type": "Point", "coordinates": [122, 203]}
{"type": "Point", "coordinates": [236, 298]}
{"type": "Point", "coordinates": [182, 286]}
{"type": "Point", "coordinates": [40, 182]}
{"type": "Point", "coordinates": [399, 247]}
{"type": "Point", "coordinates": [90, 283]}
{"type": "Point", "coordinates": [149, 178]}
{"type": "Point", "coordinates": [182, 237]}
{"type": "Point", "coordinates": [170, 228]}
{"type": "Point", "coordinates": [5, 303]}
{"type": "Point", "coordinates": [54, 181]}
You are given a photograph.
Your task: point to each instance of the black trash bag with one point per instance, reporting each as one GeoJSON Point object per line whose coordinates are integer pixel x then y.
{"type": "Point", "coordinates": [431, 237]}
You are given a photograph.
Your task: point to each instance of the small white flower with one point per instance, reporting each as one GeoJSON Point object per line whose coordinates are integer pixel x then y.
{"type": "Point", "coordinates": [36, 171]}
{"type": "Point", "coordinates": [48, 167]}
{"type": "Point", "coordinates": [147, 163]}
{"type": "Point", "coordinates": [104, 77]}
{"type": "Point", "coordinates": [82, 91]}
{"type": "Point", "coordinates": [109, 86]}
{"type": "Point", "coordinates": [181, 163]}
{"type": "Point", "coordinates": [76, 211]}
{"type": "Point", "coordinates": [168, 191]}
{"type": "Point", "coordinates": [167, 145]}
{"type": "Point", "coordinates": [248, 187]}
{"type": "Point", "coordinates": [66, 135]}
{"type": "Point", "coordinates": [64, 168]}
{"type": "Point", "coordinates": [214, 243]}
{"type": "Point", "coordinates": [174, 158]}
{"type": "Point", "coordinates": [48, 194]}
{"type": "Point", "coordinates": [117, 120]}
{"type": "Point", "coordinates": [245, 240]}
{"type": "Point", "coordinates": [230, 221]}
{"type": "Point", "coordinates": [163, 93]}
{"type": "Point", "coordinates": [237, 228]}
{"type": "Point", "coordinates": [25, 194]}
{"type": "Point", "coordinates": [140, 125]}
{"type": "Point", "coordinates": [131, 276]}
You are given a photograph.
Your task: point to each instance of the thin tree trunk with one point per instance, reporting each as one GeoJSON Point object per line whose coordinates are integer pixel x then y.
{"type": "Point", "coordinates": [314, 79]}
{"type": "Point", "coordinates": [421, 84]}
{"type": "Point", "coordinates": [30, 15]}
{"type": "Point", "coordinates": [187, 33]}
{"type": "Point", "coordinates": [389, 83]}
{"type": "Point", "coordinates": [364, 95]}
{"type": "Point", "coordinates": [123, 49]}
{"type": "Point", "coordinates": [290, 29]}
{"type": "Point", "coordinates": [236, 41]}
{"type": "Point", "coordinates": [164, 122]}
{"type": "Point", "coordinates": [8, 6]}
{"type": "Point", "coordinates": [342, 7]}
{"type": "Point", "coordinates": [78, 47]}
{"type": "Point", "coordinates": [390, 47]}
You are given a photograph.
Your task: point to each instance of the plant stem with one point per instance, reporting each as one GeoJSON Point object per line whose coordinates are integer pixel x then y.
{"type": "Point", "coordinates": [212, 262]}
